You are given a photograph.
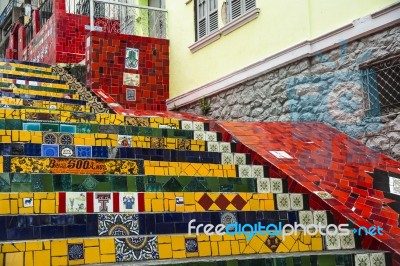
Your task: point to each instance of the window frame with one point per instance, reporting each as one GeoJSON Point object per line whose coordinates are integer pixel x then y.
{"type": "Point", "coordinates": [206, 5]}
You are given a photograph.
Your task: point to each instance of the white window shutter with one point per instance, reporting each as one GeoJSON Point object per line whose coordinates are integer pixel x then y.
{"type": "Point", "coordinates": [249, 4]}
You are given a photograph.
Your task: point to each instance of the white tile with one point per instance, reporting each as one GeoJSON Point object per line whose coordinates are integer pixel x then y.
{"type": "Point", "coordinates": [362, 260]}
{"type": "Point", "coordinates": [211, 136]}
{"type": "Point", "coordinates": [263, 185]}
{"type": "Point", "coordinates": [75, 202]}
{"type": "Point", "coordinates": [306, 217]}
{"type": "Point", "coordinates": [332, 241]}
{"type": "Point", "coordinates": [377, 259]}
{"type": "Point", "coordinates": [128, 202]}
{"type": "Point", "coordinates": [226, 158]}
{"type": "Point", "coordinates": [213, 146]}
{"type": "Point", "coordinates": [198, 126]}
{"type": "Point", "coordinates": [28, 202]}
{"type": "Point", "coordinates": [320, 218]}
{"type": "Point", "coordinates": [239, 158]}
{"type": "Point", "coordinates": [257, 171]}
{"type": "Point", "coordinates": [225, 147]}
{"type": "Point", "coordinates": [296, 201]}
{"type": "Point", "coordinates": [103, 202]}
{"type": "Point", "coordinates": [347, 241]}
{"type": "Point", "coordinates": [187, 125]}
{"type": "Point", "coordinates": [283, 202]}
{"type": "Point", "coordinates": [199, 135]}
{"type": "Point", "coordinates": [276, 185]}
{"type": "Point", "coordinates": [244, 171]}
{"type": "Point", "coordinates": [124, 141]}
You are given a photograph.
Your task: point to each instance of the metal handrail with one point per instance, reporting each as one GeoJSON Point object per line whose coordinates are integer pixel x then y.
{"type": "Point", "coordinates": [7, 11]}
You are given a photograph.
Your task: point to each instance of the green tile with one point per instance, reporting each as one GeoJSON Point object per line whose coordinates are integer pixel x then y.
{"type": "Point", "coordinates": [5, 182]}
{"type": "Point", "coordinates": [47, 181]}
{"type": "Point", "coordinates": [13, 124]}
{"type": "Point", "coordinates": [122, 130]}
{"type": "Point", "coordinates": [135, 184]}
{"type": "Point", "coordinates": [2, 123]}
{"type": "Point", "coordinates": [62, 183]}
{"type": "Point", "coordinates": [20, 178]}
{"type": "Point", "coordinates": [37, 184]}
{"type": "Point", "coordinates": [119, 183]}
{"type": "Point", "coordinates": [327, 260]}
{"type": "Point", "coordinates": [21, 187]}
{"type": "Point", "coordinates": [139, 183]}
{"type": "Point", "coordinates": [196, 185]}
{"type": "Point", "coordinates": [83, 128]}
{"type": "Point", "coordinates": [172, 185]}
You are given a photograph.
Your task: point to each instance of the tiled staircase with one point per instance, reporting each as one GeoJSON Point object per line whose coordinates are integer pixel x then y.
{"type": "Point", "coordinates": [83, 187]}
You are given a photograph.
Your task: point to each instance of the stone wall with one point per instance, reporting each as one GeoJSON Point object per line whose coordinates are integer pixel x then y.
{"type": "Point", "coordinates": [328, 87]}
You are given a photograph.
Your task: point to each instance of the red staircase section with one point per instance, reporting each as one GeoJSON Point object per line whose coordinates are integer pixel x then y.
{"type": "Point", "coordinates": [326, 160]}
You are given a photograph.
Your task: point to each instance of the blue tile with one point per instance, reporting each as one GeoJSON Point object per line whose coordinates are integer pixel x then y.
{"type": "Point", "coordinates": [76, 231]}
{"type": "Point", "coordinates": [52, 232]}
{"type": "Point", "coordinates": [67, 128]}
{"type": "Point", "coordinates": [31, 126]}
{"type": "Point", "coordinates": [83, 151]}
{"type": "Point", "coordinates": [50, 150]}
{"type": "Point", "coordinates": [32, 149]}
{"type": "Point", "coordinates": [20, 233]}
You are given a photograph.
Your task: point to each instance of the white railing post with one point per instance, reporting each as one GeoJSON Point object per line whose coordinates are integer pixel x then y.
{"type": "Point", "coordinates": [91, 7]}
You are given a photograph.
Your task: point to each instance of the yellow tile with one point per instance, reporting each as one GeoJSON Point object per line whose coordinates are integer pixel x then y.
{"type": "Point", "coordinates": [59, 261]}
{"type": "Point", "coordinates": [178, 242]}
{"type": "Point", "coordinates": [264, 249]}
{"type": "Point", "coordinates": [1, 258]}
{"type": "Point", "coordinates": [204, 249]}
{"type": "Point", "coordinates": [59, 248]}
{"type": "Point", "coordinates": [36, 245]}
{"type": "Point", "coordinates": [14, 259]}
{"type": "Point", "coordinates": [164, 239]}
{"type": "Point", "coordinates": [14, 206]}
{"type": "Point", "coordinates": [147, 205]}
{"type": "Point", "coordinates": [48, 206]}
{"type": "Point", "coordinates": [254, 205]}
{"type": "Point", "coordinates": [76, 262]}
{"type": "Point", "coordinates": [46, 245]}
{"type": "Point", "coordinates": [29, 258]}
{"type": "Point", "coordinates": [295, 247]}
{"type": "Point", "coordinates": [91, 242]}
{"type": "Point", "coordinates": [303, 247]}
{"type": "Point", "coordinates": [307, 239]}
{"type": "Point", "coordinates": [203, 237]}
{"type": "Point", "coordinates": [157, 205]}
{"type": "Point", "coordinates": [107, 246]}
{"type": "Point", "coordinates": [316, 243]}
{"type": "Point", "coordinates": [7, 247]}
{"type": "Point", "coordinates": [215, 238]}
{"type": "Point", "coordinates": [256, 243]}
{"type": "Point", "coordinates": [92, 255]}
{"type": "Point", "coordinates": [3, 196]}
{"type": "Point", "coordinates": [41, 258]}
{"type": "Point", "coordinates": [40, 195]}
{"type": "Point", "coordinates": [224, 248]}
{"type": "Point", "coordinates": [107, 258]}
{"type": "Point", "coordinates": [249, 250]}
{"type": "Point", "coordinates": [179, 254]}
{"type": "Point", "coordinates": [289, 242]}
{"type": "Point", "coordinates": [214, 249]}
{"type": "Point", "coordinates": [5, 207]}
{"type": "Point", "coordinates": [165, 251]}
{"type": "Point", "coordinates": [20, 246]}
{"type": "Point", "coordinates": [235, 247]}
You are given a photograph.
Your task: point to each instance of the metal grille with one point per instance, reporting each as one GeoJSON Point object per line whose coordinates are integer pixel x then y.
{"type": "Point", "coordinates": [383, 83]}
{"type": "Point", "coordinates": [28, 32]}
{"type": "Point", "coordinates": [123, 18]}
{"type": "Point", "coordinates": [45, 12]}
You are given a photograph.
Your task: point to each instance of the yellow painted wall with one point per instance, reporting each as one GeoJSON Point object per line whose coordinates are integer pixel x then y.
{"type": "Point", "coordinates": [280, 24]}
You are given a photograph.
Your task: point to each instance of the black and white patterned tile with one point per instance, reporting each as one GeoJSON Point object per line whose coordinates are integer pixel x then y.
{"type": "Point", "coordinates": [276, 185]}
{"type": "Point", "coordinates": [283, 202]}
{"type": "Point", "coordinates": [226, 158]}
{"type": "Point", "coordinates": [118, 224]}
{"type": "Point", "coordinates": [136, 248]}
{"type": "Point", "coordinates": [296, 201]}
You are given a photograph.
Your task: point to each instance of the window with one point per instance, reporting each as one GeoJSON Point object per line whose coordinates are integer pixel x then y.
{"type": "Point", "coordinates": [237, 8]}
{"type": "Point", "coordinates": [206, 17]}
{"type": "Point", "coordinates": [382, 80]}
